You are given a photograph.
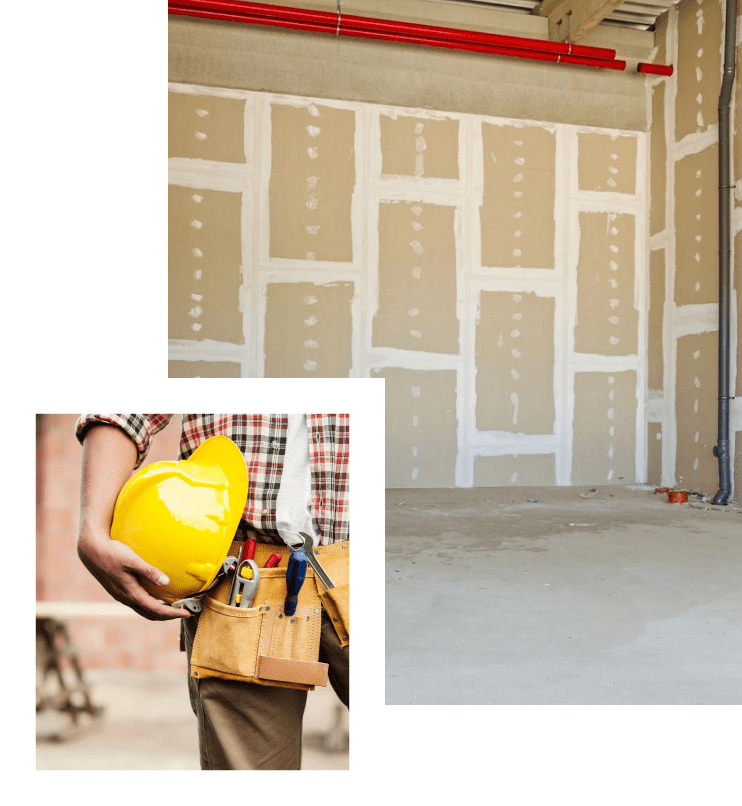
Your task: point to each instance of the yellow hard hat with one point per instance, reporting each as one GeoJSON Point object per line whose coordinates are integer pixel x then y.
{"type": "Point", "coordinates": [182, 516]}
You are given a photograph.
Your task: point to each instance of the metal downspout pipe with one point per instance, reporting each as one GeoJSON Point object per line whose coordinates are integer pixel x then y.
{"type": "Point", "coordinates": [722, 448]}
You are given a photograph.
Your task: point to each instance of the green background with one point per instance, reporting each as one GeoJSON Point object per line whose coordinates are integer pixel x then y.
{"type": "Point", "coordinates": [85, 293]}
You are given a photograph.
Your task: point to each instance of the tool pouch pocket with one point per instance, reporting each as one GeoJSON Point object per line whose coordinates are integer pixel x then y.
{"type": "Point", "coordinates": [335, 560]}
{"type": "Point", "coordinates": [260, 644]}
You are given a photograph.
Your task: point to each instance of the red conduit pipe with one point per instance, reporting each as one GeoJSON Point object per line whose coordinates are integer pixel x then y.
{"type": "Point", "coordinates": [655, 69]}
{"type": "Point", "coordinates": [178, 8]}
{"type": "Point", "coordinates": [393, 26]}
{"type": "Point", "coordinates": [411, 33]}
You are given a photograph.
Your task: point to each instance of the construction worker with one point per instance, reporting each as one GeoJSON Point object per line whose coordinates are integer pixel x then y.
{"type": "Point", "coordinates": [297, 467]}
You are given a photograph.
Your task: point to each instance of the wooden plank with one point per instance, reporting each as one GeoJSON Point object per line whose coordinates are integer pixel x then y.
{"type": "Point", "coordinates": [577, 16]}
{"type": "Point", "coordinates": [546, 7]}
{"type": "Point", "coordinates": [62, 610]}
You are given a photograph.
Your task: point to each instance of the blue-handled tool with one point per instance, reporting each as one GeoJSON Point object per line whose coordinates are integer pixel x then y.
{"type": "Point", "coordinates": [295, 573]}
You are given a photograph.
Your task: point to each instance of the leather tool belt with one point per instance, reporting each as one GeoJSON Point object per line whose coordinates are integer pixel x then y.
{"type": "Point", "coordinates": [260, 644]}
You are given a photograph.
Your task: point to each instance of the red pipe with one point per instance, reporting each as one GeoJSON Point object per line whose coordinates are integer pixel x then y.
{"type": "Point", "coordinates": [412, 33]}
{"type": "Point", "coordinates": [178, 8]}
{"type": "Point", "coordinates": [392, 26]}
{"type": "Point", "coordinates": [656, 69]}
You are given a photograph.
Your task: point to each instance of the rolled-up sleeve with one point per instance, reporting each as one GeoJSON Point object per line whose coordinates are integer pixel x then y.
{"type": "Point", "coordinates": [140, 428]}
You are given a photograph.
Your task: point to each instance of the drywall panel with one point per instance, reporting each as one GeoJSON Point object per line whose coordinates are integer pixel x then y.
{"type": "Point", "coordinates": [203, 369]}
{"type": "Point", "coordinates": [413, 146]}
{"type": "Point", "coordinates": [252, 58]}
{"type": "Point", "coordinates": [515, 363]}
{"type": "Point", "coordinates": [656, 345]}
{"type": "Point", "coordinates": [204, 259]}
{"type": "Point", "coordinates": [308, 330]}
{"type": "Point", "coordinates": [516, 470]}
{"type": "Point", "coordinates": [697, 468]}
{"type": "Point", "coordinates": [417, 278]}
{"type": "Point", "coordinates": [737, 256]}
{"type": "Point", "coordinates": [206, 127]}
{"type": "Point", "coordinates": [421, 443]}
{"type": "Point", "coordinates": [660, 38]}
{"type": "Point", "coordinates": [696, 227]}
{"type": "Point", "coordinates": [517, 213]}
{"type": "Point", "coordinates": [606, 317]}
{"type": "Point", "coordinates": [737, 135]}
{"type": "Point", "coordinates": [607, 162]}
{"type": "Point", "coordinates": [604, 444]}
{"type": "Point", "coordinates": [311, 182]}
{"type": "Point", "coordinates": [658, 161]}
{"type": "Point", "coordinates": [699, 79]}
{"type": "Point", "coordinates": [654, 453]}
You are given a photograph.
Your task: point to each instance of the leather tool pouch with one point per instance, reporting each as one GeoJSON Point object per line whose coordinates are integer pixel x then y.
{"type": "Point", "coordinates": [260, 644]}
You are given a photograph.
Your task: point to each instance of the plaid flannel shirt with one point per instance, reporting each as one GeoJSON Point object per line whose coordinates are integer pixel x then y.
{"type": "Point", "coordinates": [262, 440]}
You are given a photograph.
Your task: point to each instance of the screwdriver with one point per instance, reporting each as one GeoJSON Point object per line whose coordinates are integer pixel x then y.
{"type": "Point", "coordinates": [295, 573]}
{"type": "Point", "coordinates": [273, 561]}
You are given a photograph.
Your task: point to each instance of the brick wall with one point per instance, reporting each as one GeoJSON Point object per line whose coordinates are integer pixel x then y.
{"type": "Point", "coordinates": [113, 642]}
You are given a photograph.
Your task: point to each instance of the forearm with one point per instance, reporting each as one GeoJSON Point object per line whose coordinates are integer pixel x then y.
{"type": "Point", "coordinates": [108, 458]}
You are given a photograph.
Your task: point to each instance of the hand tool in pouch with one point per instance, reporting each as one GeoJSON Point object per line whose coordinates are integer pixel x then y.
{"type": "Point", "coordinates": [297, 569]}
{"type": "Point", "coordinates": [295, 573]}
{"type": "Point", "coordinates": [233, 587]}
{"type": "Point", "coordinates": [313, 560]}
{"type": "Point", "coordinates": [247, 580]}
{"type": "Point", "coordinates": [193, 603]}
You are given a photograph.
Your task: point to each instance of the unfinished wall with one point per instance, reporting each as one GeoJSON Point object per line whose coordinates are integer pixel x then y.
{"type": "Point", "coordinates": [492, 271]}
{"type": "Point", "coordinates": [417, 278]}
{"type": "Point", "coordinates": [215, 54]}
{"type": "Point", "coordinates": [515, 363]}
{"type": "Point", "coordinates": [605, 424]}
{"type": "Point", "coordinates": [517, 211]}
{"type": "Point", "coordinates": [682, 401]}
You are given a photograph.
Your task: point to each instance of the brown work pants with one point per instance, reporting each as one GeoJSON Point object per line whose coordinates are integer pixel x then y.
{"type": "Point", "coordinates": [245, 726]}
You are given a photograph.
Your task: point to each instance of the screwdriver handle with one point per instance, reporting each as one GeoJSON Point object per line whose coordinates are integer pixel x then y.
{"type": "Point", "coordinates": [295, 573]}
{"type": "Point", "coordinates": [250, 546]}
{"type": "Point", "coordinates": [273, 561]}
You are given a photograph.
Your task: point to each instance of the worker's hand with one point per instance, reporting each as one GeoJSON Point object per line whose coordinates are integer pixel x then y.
{"type": "Point", "coordinates": [118, 568]}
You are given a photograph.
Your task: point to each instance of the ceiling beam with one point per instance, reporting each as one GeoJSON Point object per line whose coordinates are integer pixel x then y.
{"type": "Point", "coordinates": [572, 19]}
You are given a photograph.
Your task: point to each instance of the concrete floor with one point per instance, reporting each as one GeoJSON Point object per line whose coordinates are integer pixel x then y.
{"type": "Point", "coordinates": [561, 596]}
{"type": "Point", "coordinates": [148, 724]}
